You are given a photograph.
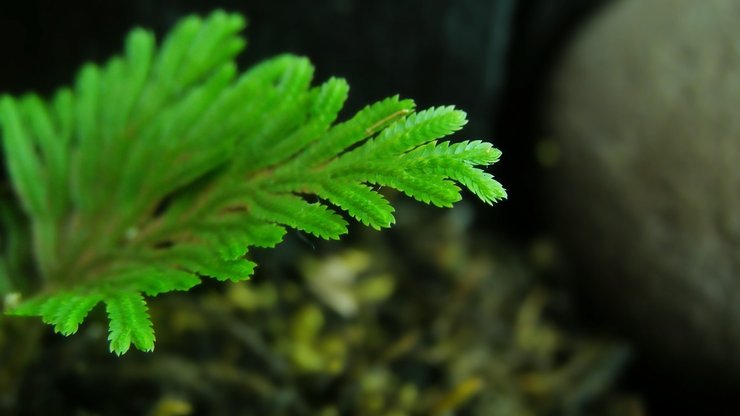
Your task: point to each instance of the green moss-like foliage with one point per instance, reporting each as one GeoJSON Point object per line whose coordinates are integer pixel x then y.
{"type": "Point", "coordinates": [166, 165]}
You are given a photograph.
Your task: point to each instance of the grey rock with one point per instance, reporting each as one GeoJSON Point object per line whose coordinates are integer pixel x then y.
{"type": "Point", "coordinates": [645, 109]}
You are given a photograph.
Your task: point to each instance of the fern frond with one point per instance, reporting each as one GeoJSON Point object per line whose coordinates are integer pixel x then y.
{"type": "Point", "coordinates": [360, 201]}
{"type": "Point", "coordinates": [323, 110]}
{"type": "Point", "coordinates": [415, 130]}
{"type": "Point", "coordinates": [295, 212]}
{"type": "Point", "coordinates": [241, 230]}
{"type": "Point", "coordinates": [364, 124]}
{"type": "Point", "coordinates": [129, 322]}
{"type": "Point", "coordinates": [151, 280]}
{"type": "Point", "coordinates": [165, 165]}
{"type": "Point", "coordinates": [67, 313]}
{"type": "Point", "coordinates": [23, 164]}
{"type": "Point", "coordinates": [429, 189]}
{"type": "Point", "coordinates": [458, 162]}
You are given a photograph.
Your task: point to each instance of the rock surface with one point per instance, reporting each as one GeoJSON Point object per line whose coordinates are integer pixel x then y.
{"type": "Point", "coordinates": [645, 109]}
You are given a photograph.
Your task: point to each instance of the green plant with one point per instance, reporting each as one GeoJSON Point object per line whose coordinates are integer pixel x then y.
{"type": "Point", "coordinates": [164, 166]}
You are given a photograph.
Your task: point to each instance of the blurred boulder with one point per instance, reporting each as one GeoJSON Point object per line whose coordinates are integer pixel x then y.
{"type": "Point", "coordinates": [645, 113]}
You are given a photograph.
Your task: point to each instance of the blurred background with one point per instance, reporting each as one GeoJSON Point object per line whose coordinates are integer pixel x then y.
{"type": "Point", "coordinates": [605, 285]}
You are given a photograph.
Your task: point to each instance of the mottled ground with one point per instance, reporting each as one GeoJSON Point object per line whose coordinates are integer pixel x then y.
{"type": "Point", "coordinates": [433, 317]}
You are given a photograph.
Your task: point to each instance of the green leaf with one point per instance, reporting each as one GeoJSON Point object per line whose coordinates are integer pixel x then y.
{"type": "Point", "coordinates": [361, 202]}
{"type": "Point", "coordinates": [129, 322]}
{"type": "Point", "coordinates": [65, 311]}
{"type": "Point", "coordinates": [415, 130]}
{"type": "Point", "coordinates": [165, 165]}
{"type": "Point", "coordinates": [293, 211]}
{"type": "Point", "coordinates": [70, 314]}
{"type": "Point", "coordinates": [151, 280]}
{"type": "Point", "coordinates": [435, 190]}
{"type": "Point", "coordinates": [327, 102]}
{"type": "Point", "coordinates": [457, 162]}
{"type": "Point", "coordinates": [480, 183]}
{"type": "Point", "coordinates": [235, 232]}
{"type": "Point", "coordinates": [23, 163]}
{"type": "Point", "coordinates": [207, 262]}
{"type": "Point", "coordinates": [366, 123]}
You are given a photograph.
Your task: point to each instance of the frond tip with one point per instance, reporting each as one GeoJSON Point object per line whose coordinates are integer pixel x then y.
{"type": "Point", "coordinates": [165, 165]}
{"type": "Point", "coordinates": [129, 323]}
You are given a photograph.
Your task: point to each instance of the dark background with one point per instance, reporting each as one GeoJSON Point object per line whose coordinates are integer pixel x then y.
{"type": "Point", "coordinates": [488, 57]}
{"type": "Point", "coordinates": [491, 58]}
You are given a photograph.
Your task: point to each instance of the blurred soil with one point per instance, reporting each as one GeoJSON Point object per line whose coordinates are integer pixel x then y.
{"type": "Point", "coordinates": [432, 317]}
